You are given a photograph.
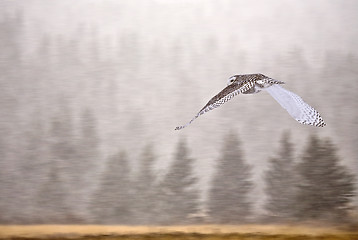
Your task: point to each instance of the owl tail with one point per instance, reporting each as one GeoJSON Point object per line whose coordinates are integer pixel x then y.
{"type": "Point", "coordinates": [295, 106]}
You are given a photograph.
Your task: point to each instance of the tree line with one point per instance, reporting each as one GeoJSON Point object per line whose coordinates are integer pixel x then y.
{"type": "Point", "coordinates": [59, 183]}
{"type": "Point", "coordinates": [49, 165]}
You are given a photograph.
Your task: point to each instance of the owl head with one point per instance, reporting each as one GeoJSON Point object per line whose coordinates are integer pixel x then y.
{"type": "Point", "coordinates": [232, 79]}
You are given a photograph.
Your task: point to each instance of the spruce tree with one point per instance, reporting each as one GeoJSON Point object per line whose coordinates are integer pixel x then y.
{"type": "Point", "coordinates": [326, 188]}
{"type": "Point", "coordinates": [280, 181]}
{"type": "Point", "coordinates": [3, 179]}
{"type": "Point", "coordinates": [85, 163]}
{"type": "Point", "coordinates": [145, 197]}
{"type": "Point", "coordinates": [53, 196]}
{"type": "Point", "coordinates": [177, 191]}
{"type": "Point", "coordinates": [52, 202]}
{"type": "Point", "coordinates": [88, 147]}
{"type": "Point", "coordinates": [112, 203]}
{"type": "Point", "coordinates": [228, 201]}
{"type": "Point", "coordinates": [32, 171]}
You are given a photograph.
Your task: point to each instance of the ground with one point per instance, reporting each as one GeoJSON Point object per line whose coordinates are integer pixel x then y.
{"type": "Point", "coordinates": [205, 232]}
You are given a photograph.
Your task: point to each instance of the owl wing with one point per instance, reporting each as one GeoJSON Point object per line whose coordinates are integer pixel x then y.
{"type": "Point", "coordinates": [295, 106]}
{"type": "Point", "coordinates": [222, 97]}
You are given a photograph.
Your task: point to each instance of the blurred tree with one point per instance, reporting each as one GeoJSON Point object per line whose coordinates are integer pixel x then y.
{"type": "Point", "coordinates": [145, 193]}
{"type": "Point", "coordinates": [33, 157]}
{"type": "Point", "coordinates": [89, 139]}
{"type": "Point", "coordinates": [326, 188]}
{"type": "Point", "coordinates": [3, 180]}
{"type": "Point", "coordinates": [54, 193]}
{"type": "Point", "coordinates": [229, 202]}
{"type": "Point", "coordinates": [85, 162]}
{"type": "Point", "coordinates": [281, 181]}
{"type": "Point", "coordinates": [52, 202]}
{"type": "Point", "coordinates": [112, 203]}
{"type": "Point", "coordinates": [11, 33]}
{"type": "Point", "coordinates": [178, 196]}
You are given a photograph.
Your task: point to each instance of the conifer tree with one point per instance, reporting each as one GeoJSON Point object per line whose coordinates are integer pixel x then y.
{"type": "Point", "coordinates": [85, 163]}
{"type": "Point", "coordinates": [229, 202]}
{"type": "Point", "coordinates": [54, 191]}
{"type": "Point", "coordinates": [177, 191]}
{"type": "Point", "coordinates": [145, 197]}
{"type": "Point", "coordinates": [326, 188]}
{"type": "Point", "coordinates": [112, 201]}
{"type": "Point", "coordinates": [280, 181]}
{"type": "Point", "coordinates": [88, 143]}
{"type": "Point", "coordinates": [52, 202]}
{"type": "Point", "coordinates": [3, 178]}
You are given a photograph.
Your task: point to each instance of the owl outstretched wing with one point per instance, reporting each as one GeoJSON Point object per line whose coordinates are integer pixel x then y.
{"type": "Point", "coordinates": [295, 106]}
{"type": "Point", "coordinates": [222, 97]}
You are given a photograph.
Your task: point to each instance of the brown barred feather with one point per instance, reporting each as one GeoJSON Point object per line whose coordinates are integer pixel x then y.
{"type": "Point", "coordinates": [254, 83]}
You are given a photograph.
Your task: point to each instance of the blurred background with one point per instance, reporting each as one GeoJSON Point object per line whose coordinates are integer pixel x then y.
{"type": "Point", "coordinates": [91, 91]}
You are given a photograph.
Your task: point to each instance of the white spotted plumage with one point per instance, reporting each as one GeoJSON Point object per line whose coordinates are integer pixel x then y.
{"type": "Point", "coordinates": [295, 106]}
{"type": "Point", "coordinates": [254, 83]}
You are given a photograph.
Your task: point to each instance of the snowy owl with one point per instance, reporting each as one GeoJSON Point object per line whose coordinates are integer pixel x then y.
{"type": "Point", "coordinates": [254, 83]}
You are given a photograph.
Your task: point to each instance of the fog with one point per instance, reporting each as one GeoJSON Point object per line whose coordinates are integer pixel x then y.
{"type": "Point", "coordinates": [126, 73]}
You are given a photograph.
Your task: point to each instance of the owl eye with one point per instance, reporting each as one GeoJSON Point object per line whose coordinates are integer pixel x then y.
{"type": "Point", "coordinates": [231, 80]}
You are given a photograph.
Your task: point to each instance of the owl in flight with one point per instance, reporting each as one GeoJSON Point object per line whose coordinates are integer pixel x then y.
{"type": "Point", "coordinates": [254, 83]}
